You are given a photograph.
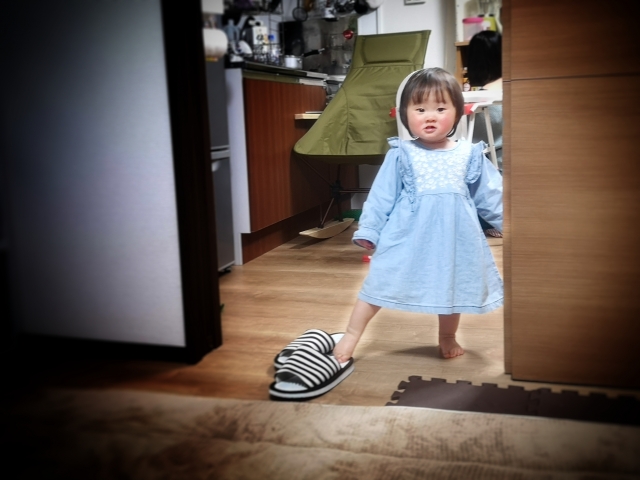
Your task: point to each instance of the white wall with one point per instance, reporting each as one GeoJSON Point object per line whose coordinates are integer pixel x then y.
{"type": "Point", "coordinates": [435, 15]}
{"type": "Point", "coordinates": [472, 8]}
{"type": "Point", "coordinates": [93, 243]}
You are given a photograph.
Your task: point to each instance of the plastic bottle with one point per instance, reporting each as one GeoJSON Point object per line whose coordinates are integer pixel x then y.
{"type": "Point", "coordinates": [275, 56]}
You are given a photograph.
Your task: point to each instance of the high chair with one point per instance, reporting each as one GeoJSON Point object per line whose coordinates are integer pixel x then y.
{"type": "Point", "coordinates": [478, 102]}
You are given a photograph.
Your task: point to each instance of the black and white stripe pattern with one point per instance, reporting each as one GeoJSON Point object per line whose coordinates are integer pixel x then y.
{"type": "Point", "coordinates": [316, 339]}
{"type": "Point", "coordinates": [308, 374]}
{"type": "Point", "coordinates": [309, 367]}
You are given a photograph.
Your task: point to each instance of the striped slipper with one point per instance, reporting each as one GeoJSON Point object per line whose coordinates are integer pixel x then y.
{"type": "Point", "coordinates": [308, 374]}
{"type": "Point", "coordinates": [316, 339]}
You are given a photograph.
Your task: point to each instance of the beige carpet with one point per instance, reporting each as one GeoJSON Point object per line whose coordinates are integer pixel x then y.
{"type": "Point", "coordinates": [139, 435]}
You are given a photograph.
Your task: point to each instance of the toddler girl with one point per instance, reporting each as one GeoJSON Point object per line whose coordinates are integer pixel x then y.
{"type": "Point", "coordinates": [421, 217]}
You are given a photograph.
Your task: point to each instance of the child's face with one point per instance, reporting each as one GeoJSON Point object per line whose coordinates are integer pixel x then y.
{"type": "Point", "coordinates": [431, 120]}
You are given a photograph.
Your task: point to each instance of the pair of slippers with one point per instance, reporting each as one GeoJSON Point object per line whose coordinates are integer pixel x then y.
{"type": "Point", "coordinates": [306, 368]}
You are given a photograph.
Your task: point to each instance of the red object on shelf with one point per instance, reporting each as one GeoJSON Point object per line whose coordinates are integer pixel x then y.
{"type": "Point", "coordinates": [366, 258]}
{"type": "Point", "coordinates": [392, 112]}
{"type": "Point", "coordinates": [348, 34]}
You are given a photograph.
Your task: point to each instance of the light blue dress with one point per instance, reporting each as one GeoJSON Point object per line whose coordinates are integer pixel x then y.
{"type": "Point", "coordinates": [422, 210]}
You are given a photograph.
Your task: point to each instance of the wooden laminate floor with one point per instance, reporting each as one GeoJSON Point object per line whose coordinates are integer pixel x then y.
{"type": "Point", "coordinates": [309, 283]}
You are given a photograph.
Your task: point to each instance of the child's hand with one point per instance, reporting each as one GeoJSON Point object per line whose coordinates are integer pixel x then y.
{"type": "Point", "coordinates": [365, 244]}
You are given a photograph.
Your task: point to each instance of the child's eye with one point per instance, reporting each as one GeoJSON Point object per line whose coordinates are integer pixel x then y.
{"type": "Point", "coordinates": [420, 110]}
{"type": "Point", "coordinates": [441, 109]}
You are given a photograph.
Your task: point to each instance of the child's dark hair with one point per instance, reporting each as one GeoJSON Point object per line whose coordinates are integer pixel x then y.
{"type": "Point", "coordinates": [484, 58]}
{"type": "Point", "coordinates": [435, 81]}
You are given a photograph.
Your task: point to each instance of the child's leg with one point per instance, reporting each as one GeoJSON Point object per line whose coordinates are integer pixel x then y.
{"type": "Point", "coordinates": [447, 335]}
{"type": "Point", "coordinates": [360, 316]}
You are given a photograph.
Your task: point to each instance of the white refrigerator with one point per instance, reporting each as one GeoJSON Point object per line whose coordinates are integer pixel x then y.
{"type": "Point", "coordinates": [220, 162]}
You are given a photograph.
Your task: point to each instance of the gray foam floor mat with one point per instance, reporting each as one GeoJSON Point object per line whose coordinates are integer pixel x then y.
{"type": "Point", "coordinates": [515, 400]}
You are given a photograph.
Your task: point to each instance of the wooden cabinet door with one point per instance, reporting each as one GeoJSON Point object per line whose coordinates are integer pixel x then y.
{"type": "Point", "coordinates": [280, 185]}
{"type": "Point", "coordinates": [575, 231]}
{"type": "Point", "coordinates": [572, 192]}
{"type": "Point", "coordinates": [560, 38]}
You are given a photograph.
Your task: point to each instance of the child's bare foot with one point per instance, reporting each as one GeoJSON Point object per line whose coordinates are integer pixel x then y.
{"type": "Point", "coordinates": [449, 348]}
{"type": "Point", "coordinates": [492, 232]}
{"type": "Point", "coordinates": [343, 351]}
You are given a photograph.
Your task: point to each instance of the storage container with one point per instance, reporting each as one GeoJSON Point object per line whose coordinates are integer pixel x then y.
{"type": "Point", "coordinates": [471, 26]}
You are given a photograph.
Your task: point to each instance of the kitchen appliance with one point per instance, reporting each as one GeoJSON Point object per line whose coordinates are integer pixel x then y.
{"type": "Point", "coordinates": [299, 14]}
{"type": "Point", "coordinates": [294, 61]}
{"type": "Point", "coordinates": [292, 37]}
{"type": "Point", "coordinates": [220, 162]}
{"type": "Point", "coordinates": [257, 35]}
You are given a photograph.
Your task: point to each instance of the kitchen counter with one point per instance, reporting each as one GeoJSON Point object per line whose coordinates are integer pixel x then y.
{"type": "Point", "coordinates": [261, 71]}
{"type": "Point", "coordinates": [263, 67]}
{"type": "Point", "coordinates": [274, 195]}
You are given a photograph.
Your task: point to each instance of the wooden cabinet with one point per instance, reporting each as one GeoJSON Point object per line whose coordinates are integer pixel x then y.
{"type": "Point", "coordinates": [559, 38]}
{"type": "Point", "coordinates": [571, 170]}
{"type": "Point", "coordinates": [285, 194]}
{"type": "Point", "coordinates": [279, 185]}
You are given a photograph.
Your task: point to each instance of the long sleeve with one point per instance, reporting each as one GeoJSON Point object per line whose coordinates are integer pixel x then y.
{"type": "Point", "coordinates": [381, 199]}
{"type": "Point", "coordinates": [486, 189]}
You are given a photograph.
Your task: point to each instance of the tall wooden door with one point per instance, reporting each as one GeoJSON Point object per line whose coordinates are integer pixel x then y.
{"type": "Point", "coordinates": [572, 192]}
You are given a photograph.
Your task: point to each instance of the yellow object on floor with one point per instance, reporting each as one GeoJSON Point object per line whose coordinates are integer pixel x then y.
{"type": "Point", "coordinates": [329, 230]}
